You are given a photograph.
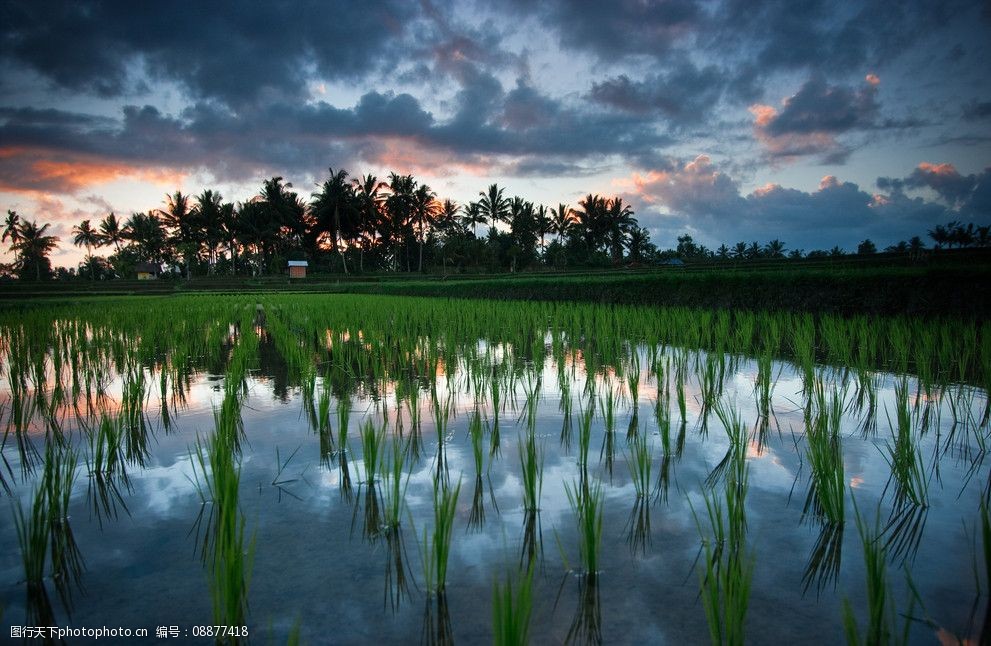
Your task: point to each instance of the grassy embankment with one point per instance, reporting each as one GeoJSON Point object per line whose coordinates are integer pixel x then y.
{"type": "Point", "coordinates": [956, 284]}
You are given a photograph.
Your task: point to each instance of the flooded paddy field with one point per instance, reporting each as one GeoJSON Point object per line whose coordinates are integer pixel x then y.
{"type": "Point", "coordinates": [354, 468]}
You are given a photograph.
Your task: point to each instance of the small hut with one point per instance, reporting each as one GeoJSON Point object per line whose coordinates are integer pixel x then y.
{"type": "Point", "coordinates": [147, 270]}
{"type": "Point", "coordinates": [297, 268]}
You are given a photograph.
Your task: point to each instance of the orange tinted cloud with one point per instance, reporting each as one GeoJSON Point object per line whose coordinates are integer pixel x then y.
{"type": "Point", "coordinates": [945, 170]}
{"type": "Point", "coordinates": [26, 170]}
{"type": "Point", "coordinates": [408, 155]}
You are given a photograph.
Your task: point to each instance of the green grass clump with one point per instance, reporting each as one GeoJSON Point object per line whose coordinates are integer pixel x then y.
{"type": "Point", "coordinates": [511, 607]}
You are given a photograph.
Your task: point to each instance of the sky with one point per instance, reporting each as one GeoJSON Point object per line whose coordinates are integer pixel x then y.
{"type": "Point", "coordinates": [816, 123]}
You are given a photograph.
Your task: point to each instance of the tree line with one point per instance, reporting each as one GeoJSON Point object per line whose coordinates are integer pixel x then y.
{"type": "Point", "coordinates": [348, 225]}
{"type": "Point", "coordinates": [362, 224]}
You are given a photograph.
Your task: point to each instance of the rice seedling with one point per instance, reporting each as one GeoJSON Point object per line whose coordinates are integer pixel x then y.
{"type": "Point", "coordinates": [532, 472]}
{"type": "Point", "coordinates": [397, 571]}
{"type": "Point", "coordinates": [372, 440]}
{"type": "Point", "coordinates": [437, 550]}
{"type": "Point", "coordinates": [476, 516]}
{"type": "Point", "coordinates": [33, 531]}
{"type": "Point", "coordinates": [586, 625]}
{"type": "Point", "coordinates": [902, 455]}
{"type": "Point", "coordinates": [586, 503]}
{"type": "Point", "coordinates": [823, 450]}
{"type": "Point", "coordinates": [823, 566]}
{"type": "Point", "coordinates": [476, 433]}
{"type": "Point", "coordinates": [727, 568]}
{"type": "Point", "coordinates": [343, 419]}
{"type": "Point", "coordinates": [229, 558]}
{"type": "Point", "coordinates": [607, 407]}
{"type": "Point", "coordinates": [638, 527]}
{"type": "Point", "coordinates": [567, 424]}
{"type": "Point", "coordinates": [106, 463]}
{"type": "Point", "coordinates": [880, 627]}
{"type": "Point", "coordinates": [585, 435]}
{"type": "Point", "coordinates": [58, 480]}
{"type": "Point", "coordinates": [638, 459]}
{"type": "Point", "coordinates": [394, 485]}
{"type": "Point", "coordinates": [511, 607]}
{"type": "Point", "coordinates": [662, 415]}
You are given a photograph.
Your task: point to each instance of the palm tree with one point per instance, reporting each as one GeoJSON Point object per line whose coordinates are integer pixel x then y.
{"type": "Point", "coordinates": [940, 235]}
{"type": "Point", "coordinates": [775, 249]}
{"type": "Point", "coordinates": [12, 230]}
{"type": "Point", "coordinates": [447, 217]}
{"type": "Point", "coordinates": [493, 205]}
{"type": "Point", "coordinates": [148, 235]}
{"type": "Point", "coordinates": [473, 216]}
{"type": "Point", "coordinates": [369, 204]}
{"type": "Point", "coordinates": [284, 213]}
{"type": "Point", "coordinates": [179, 216]}
{"type": "Point", "coordinates": [544, 224]}
{"type": "Point", "coordinates": [424, 212]}
{"type": "Point", "coordinates": [255, 229]}
{"type": "Point", "coordinates": [561, 220]}
{"type": "Point", "coordinates": [638, 240]}
{"type": "Point", "coordinates": [228, 231]}
{"type": "Point", "coordinates": [590, 221]}
{"type": "Point", "coordinates": [34, 246]}
{"type": "Point", "coordinates": [398, 213]}
{"type": "Point", "coordinates": [740, 250]}
{"type": "Point", "coordinates": [983, 236]}
{"type": "Point", "coordinates": [86, 236]}
{"type": "Point", "coordinates": [332, 206]}
{"type": "Point", "coordinates": [111, 232]}
{"type": "Point", "coordinates": [209, 218]}
{"type": "Point", "coordinates": [722, 252]}
{"type": "Point", "coordinates": [618, 222]}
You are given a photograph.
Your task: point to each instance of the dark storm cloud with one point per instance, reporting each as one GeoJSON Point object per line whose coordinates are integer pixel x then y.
{"type": "Point", "coordinates": [820, 107]}
{"type": "Point", "coordinates": [612, 30]}
{"type": "Point", "coordinates": [970, 194]}
{"type": "Point", "coordinates": [231, 51]}
{"type": "Point", "coordinates": [977, 110]}
{"type": "Point", "coordinates": [304, 137]}
{"type": "Point", "coordinates": [822, 35]}
{"type": "Point", "coordinates": [684, 94]}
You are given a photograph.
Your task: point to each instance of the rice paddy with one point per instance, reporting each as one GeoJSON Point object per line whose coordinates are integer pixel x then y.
{"type": "Point", "coordinates": [364, 468]}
